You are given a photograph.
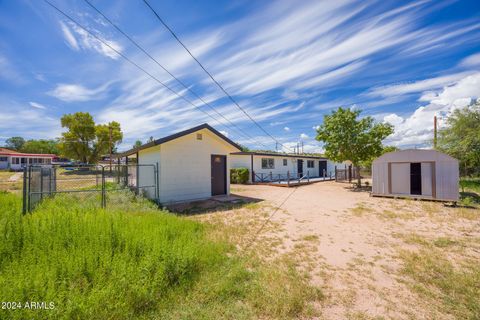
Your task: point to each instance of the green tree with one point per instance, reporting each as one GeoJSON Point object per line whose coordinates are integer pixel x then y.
{"type": "Point", "coordinates": [86, 141]}
{"type": "Point", "coordinates": [460, 138]}
{"type": "Point", "coordinates": [41, 146]}
{"type": "Point", "coordinates": [137, 144]}
{"type": "Point", "coordinates": [346, 137]}
{"type": "Point", "coordinates": [14, 143]}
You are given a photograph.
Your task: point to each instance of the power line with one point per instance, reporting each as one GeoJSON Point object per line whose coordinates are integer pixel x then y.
{"type": "Point", "coordinates": [167, 71]}
{"type": "Point", "coordinates": [209, 74]}
{"type": "Point", "coordinates": [129, 60]}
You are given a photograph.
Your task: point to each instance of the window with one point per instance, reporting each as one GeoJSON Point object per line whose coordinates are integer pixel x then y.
{"type": "Point", "coordinates": [268, 163]}
{"type": "Point", "coordinates": [3, 158]}
{"type": "Point", "coordinates": [284, 162]}
{"type": "Point", "coordinates": [199, 136]}
{"type": "Point", "coordinates": [310, 164]}
{"type": "Point", "coordinates": [15, 160]}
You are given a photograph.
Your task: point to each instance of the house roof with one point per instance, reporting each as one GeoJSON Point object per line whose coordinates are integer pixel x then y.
{"type": "Point", "coordinates": [8, 152]}
{"type": "Point", "coordinates": [178, 135]}
{"type": "Point", "coordinates": [273, 154]}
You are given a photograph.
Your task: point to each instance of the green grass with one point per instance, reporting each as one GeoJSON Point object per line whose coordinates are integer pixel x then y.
{"type": "Point", "coordinates": [134, 261]}
{"type": "Point", "coordinates": [470, 191]}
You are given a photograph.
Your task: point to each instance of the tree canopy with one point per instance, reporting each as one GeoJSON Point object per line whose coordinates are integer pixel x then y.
{"type": "Point", "coordinates": [14, 143]}
{"type": "Point", "coordinates": [41, 146]}
{"type": "Point", "coordinates": [85, 140]}
{"type": "Point", "coordinates": [460, 138]}
{"type": "Point", "coordinates": [137, 144]}
{"type": "Point", "coordinates": [348, 137]}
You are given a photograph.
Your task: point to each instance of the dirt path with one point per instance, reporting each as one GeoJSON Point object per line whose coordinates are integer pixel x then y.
{"type": "Point", "coordinates": [347, 243]}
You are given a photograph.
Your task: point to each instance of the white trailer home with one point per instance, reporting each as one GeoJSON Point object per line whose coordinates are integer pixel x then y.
{"type": "Point", "coordinates": [13, 160]}
{"type": "Point", "coordinates": [270, 165]}
{"type": "Point", "coordinates": [415, 173]}
{"type": "Point", "coordinates": [193, 164]}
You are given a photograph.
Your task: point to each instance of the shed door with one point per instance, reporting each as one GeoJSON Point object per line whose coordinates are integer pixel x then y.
{"type": "Point", "coordinates": [427, 176]}
{"type": "Point", "coordinates": [416, 178]}
{"type": "Point", "coordinates": [400, 178]}
{"type": "Point", "coordinates": [219, 174]}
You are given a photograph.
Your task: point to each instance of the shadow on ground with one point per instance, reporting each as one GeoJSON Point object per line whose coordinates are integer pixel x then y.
{"type": "Point", "coordinates": [214, 204]}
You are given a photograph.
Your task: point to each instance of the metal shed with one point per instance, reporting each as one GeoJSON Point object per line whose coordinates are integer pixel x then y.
{"type": "Point", "coordinates": [416, 173]}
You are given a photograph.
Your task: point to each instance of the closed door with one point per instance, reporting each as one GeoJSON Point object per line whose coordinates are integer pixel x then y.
{"type": "Point", "coordinates": [427, 179]}
{"type": "Point", "coordinates": [219, 174]}
{"type": "Point", "coordinates": [322, 167]}
{"type": "Point", "coordinates": [300, 167]}
{"type": "Point", "coordinates": [400, 178]}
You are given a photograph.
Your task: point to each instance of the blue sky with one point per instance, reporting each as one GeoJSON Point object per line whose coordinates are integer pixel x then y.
{"type": "Point", "coordinates": [287, 63]}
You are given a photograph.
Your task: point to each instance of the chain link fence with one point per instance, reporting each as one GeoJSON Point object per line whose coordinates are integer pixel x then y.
{"type": "Point", "coordinates": [94, 185]}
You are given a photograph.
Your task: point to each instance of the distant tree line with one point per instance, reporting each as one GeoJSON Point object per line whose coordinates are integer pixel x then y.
{"type": "Point", "coordinates": [83, 140]}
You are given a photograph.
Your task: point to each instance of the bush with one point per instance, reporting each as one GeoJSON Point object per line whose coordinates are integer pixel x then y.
{"type": "Point", "coordinates": [239, 175]}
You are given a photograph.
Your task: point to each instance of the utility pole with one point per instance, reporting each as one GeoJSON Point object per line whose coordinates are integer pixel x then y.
{"type": "Point", "coordinates": [298, 148]}
{"type": "Point", "coordinates": [302, 147]}
{"type": "Point", "coordinates": [110, 139]}
{"type": "Point", "coordinates": [434, 132]}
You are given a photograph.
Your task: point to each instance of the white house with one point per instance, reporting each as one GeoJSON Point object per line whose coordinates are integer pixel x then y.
{"type": "Point", "coordinates": [266, 165]}
{"type": "Point", "coordinates": [13, 160]}
{"type": "Point", "coordinates": [415, 173]}
{"type": "Point", "coordinates": [192, 164]}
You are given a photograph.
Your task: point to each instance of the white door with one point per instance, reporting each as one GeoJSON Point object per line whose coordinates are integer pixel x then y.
{"type": "Point", "coordinates": [427, 175]}
{"type": "Point", "coordinates": [400, 175]}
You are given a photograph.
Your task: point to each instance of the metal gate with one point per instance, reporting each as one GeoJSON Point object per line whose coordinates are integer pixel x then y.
{"type": "Point", "coordinates": [88, 183]}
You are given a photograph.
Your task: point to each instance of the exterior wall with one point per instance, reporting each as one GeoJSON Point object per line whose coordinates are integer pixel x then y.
{"type": "Point", "coordinates": [145, 174]}
{"type": "Point", "coordinates": [28, 160]}
{"type": "Point", "coordinates": [445, 173]}
{"type": "Point", "coordinates": [185, 166]}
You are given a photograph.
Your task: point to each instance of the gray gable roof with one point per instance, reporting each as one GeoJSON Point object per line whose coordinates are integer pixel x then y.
{"type": "Point", "coordinates": [178, 135]}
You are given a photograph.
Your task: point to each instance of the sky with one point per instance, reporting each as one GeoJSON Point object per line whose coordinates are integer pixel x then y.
{"type": "Point", "coordinates": [287, 63]}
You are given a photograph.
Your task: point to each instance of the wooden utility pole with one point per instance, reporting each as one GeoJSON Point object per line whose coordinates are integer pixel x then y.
{"type": "Point", "coordinates": [110, 138]}
{"type": "Point", "coordinates": [434, 132]}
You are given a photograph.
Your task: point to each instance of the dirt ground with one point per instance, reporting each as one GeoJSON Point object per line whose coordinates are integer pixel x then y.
{"type": "Point", "coordinates": [348, 243]}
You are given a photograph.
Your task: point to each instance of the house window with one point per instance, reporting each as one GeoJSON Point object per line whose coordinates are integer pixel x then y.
{"type": "Point", "coordinates": [310, 164]}
{"type": "Point", "coordinates": [15, 160]}
{"type": "Point", "coordinates": [3, 158]}
{"type": "Point", "coordinates": [284, 162]}
{"type": "Point", "coordinates": [199, 136]}
{"type": "Point", "coordinates": [268, 163]}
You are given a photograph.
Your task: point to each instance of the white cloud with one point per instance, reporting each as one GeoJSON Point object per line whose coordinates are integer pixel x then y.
{"type": "Point", "coordinates": [76, 92]}
{"type": "Point", "coordinates": [77, 38]}
{"type": "Point", "coordinates": [286, 129]}
{"type": "Point", "coordinates": [416, 86]}
{"type": "Point", "coordinates": [69, 37]}
{"type": "Point", "coordinates": [304, 136]}
{"type": "Point", "coordinates": [37, 105]}
{"type": "Point", "coordinates": [471, 61]}
{"type": "Point", "coordinates": [417, 129]}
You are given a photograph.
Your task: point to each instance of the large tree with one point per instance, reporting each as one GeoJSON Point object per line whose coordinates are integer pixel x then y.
{"type": "Point", "coordinates": [41, 146]}
{"type": "Point", "coordinates": [14, 143]}
{"type": "Point", "coordinates": [348, 137]}
{"type": "Point", "coordinates": [460, 138]}
{"type": "Point", "coordinates": [85, 140]}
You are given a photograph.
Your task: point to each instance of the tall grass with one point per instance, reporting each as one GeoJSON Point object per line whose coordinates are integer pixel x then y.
{"type": "Point", "coordinates": [131, 261]}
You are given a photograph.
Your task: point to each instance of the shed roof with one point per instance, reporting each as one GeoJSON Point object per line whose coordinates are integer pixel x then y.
{"type": "Point", "coordinates": [414, 155]}
{"type": "Point", "coordinates": [178, 135]}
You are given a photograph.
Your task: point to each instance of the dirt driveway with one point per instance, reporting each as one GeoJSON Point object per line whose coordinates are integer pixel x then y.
{"type": "Point", "coordinates": [355, 247]}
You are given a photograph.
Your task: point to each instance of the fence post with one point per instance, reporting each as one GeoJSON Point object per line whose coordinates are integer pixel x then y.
{"type": "Point", "coordinates": [271, 176]}
{"type": "Point", "coordinates": [24, 208]}
{"type": "Point", "coordinates": [288, 178]}
{"type": "Point", "coordinates": [324, 174]}
{"type": "Point", "coordinates": [157, 178]}
{"type": "Point", "coordinates": [308, 176]}
{"type": "Point", "coordinates": [104, 201]}
{"type": "Point", "coordinates": [350, 173]}
{"type": "Point", "coordinates": [41, 183]}
{"type": "Point", "coordinates": [335, 173]}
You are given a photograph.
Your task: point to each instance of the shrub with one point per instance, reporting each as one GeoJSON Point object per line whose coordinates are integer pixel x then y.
{"type": "Point", "coordinates": [239, 175]}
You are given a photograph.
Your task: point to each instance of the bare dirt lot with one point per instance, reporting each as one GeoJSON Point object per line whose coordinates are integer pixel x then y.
{"type": "Point", "coordinates": [373, 258]}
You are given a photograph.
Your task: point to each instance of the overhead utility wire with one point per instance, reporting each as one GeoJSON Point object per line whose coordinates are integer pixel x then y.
{"type": "Point", "coordinates": [210, 75]}
{"type": "Point", "coordinates": [129, 60]}
{"type": "Point", "coordinates": [170, 73]}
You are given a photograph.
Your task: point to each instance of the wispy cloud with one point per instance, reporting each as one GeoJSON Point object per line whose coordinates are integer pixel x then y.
{"type": "Point", "coordinates": [77, 39]}
{"type": "Point", "coordinates": [77, 93]}
{"type": "Point", "coordinates": [37, 105]}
